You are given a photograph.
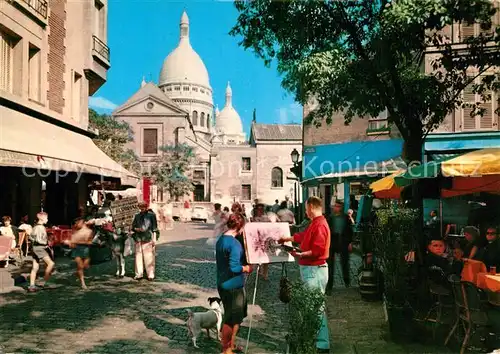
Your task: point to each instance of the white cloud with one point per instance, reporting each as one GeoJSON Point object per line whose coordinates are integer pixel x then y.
{"type": "Point", "coordinates": [101, 103]}
{"type": "Point", "coordinates": [290, 114]}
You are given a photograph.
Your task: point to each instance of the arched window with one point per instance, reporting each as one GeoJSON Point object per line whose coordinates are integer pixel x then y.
{"type": "Point", "coordinates": [195, 118]}
{"type": "Point", "coordinates": [202, 119]}
{"type": "Point", "coordinates": [277, 177]}
{"type": "Point", "coordinates": [208, 120]}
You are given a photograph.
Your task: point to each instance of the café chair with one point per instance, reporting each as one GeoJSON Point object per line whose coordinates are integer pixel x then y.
{"type": "Point", "coordinates": [441, 296]}
{"type": "Point", "coordinates": [471, 310]}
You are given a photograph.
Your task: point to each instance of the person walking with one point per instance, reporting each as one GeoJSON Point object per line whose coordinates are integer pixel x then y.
{"type": "Point", "coordinates": [80, 242]}
{"type": "Point", "coordinates": [144, 227]}
{"type": "Point", "coordinates": [341, 228]}
{"type": "Point", "coordinates": [315, 245]}
{"type": "Point", "coordinates": [40, 243]}
{"type": "Point", "coordinates": [285, 214]}
{"type": "Point", "coordinates": [231, 270]}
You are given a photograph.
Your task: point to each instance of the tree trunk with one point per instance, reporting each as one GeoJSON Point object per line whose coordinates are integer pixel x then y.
{"type": "Point", "coordinates": [413, 153]}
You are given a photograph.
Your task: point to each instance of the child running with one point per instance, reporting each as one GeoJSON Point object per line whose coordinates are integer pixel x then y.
{"type": "Point", "coordinates": [80, 242]}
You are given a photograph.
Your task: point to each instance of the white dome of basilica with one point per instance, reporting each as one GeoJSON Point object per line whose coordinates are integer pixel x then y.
{"type": "Point", "coordinates": [228, 121]}
{"type": "Point", "coordinates": [184, 65]}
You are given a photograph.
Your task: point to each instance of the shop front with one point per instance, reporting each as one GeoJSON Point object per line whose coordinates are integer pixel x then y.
{"type": "Point", "coordinates": [47, 167]}
{"type": "Point", "coordinates": [343, 171]}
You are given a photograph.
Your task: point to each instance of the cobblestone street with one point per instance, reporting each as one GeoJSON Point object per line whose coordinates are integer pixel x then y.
{"type": "Point", "coordinates": [122, 315]}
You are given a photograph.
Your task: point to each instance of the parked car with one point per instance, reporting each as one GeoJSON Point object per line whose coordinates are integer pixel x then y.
{"type": "Point", "coordinates": [199, 213]}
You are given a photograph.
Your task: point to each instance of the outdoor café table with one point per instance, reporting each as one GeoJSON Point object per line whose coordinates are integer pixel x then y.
{"type": "Point", "coordinates": [488, 281]}
{"type": "Point", "coordinates": [471, 270]}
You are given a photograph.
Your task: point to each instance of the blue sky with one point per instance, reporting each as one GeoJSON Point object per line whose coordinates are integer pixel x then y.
{"type": "Point", "coordinates": [142, 33]}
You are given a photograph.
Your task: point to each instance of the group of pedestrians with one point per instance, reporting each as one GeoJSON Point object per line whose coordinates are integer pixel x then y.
{"type": "Point", "coordinates": [144, 233]}
{"type": "Point", "coordinates": [317, 244]}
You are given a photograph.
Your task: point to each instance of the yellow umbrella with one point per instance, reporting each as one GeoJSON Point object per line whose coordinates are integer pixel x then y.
{"type": "Point", "coordinates": [385, 183]}
{"type": "Point", "coordinates": [476, 163]}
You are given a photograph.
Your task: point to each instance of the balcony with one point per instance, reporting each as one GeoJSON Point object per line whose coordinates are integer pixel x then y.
{"type": "Point", "coordinates": [100, 48]}
{"type": "Point", "coordinates": [37, 10]}
{"type": "Point", "coordinates": [97, 71]}
{"type": "Point", "coordinates": [39, 6]}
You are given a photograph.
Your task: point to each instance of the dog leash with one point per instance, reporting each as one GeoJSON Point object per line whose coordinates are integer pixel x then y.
{"type": "Point", "coordinates": [253, 305]}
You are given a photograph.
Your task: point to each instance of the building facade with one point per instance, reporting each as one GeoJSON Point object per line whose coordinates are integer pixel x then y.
{"type": "Point", "coordinates": [180, 110]}
{"type": "Point", "coordinates": [53, 55]}
{"type": "Point", "coordinates": [372, 139]}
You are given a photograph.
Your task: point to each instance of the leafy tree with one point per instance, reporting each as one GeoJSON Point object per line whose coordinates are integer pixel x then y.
{"type": "Point", "coordinates": [113, 138]}
{"type": "Point", "coordinates": [170, 170]}
{"type": "Point", "coordinates": [362, 57]}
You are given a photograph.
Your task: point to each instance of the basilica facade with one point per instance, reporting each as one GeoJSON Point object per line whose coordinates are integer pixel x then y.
{"type": "Point", "coordinates": [180, 109]}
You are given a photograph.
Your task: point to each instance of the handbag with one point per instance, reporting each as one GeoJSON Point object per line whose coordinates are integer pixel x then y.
{"type": "Point", "coordinates": [285, 285]}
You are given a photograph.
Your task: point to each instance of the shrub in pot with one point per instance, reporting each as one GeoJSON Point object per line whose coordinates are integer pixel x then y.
{"type": "Point", "coordinates": [305, 307]}
{"type": "Point", "coordinates": [394, 237]}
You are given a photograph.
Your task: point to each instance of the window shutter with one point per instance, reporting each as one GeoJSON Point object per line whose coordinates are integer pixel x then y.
{"type": "Point", "coordinates": [5, 62]}
{"type": "Point", "coordinates": [469, 122]}
{"type": "Point", "coordinates": [467, 31]}
{"type": "Point", "coordinates": [486, 120]}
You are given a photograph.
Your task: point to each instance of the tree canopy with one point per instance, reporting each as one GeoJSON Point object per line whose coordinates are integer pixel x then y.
{"type": "Point", "coordinates": [365, 56]}
{"type": "Point", "coordinates": [113, 138]}
{"type": "Point", "coordinates": [170, 171]}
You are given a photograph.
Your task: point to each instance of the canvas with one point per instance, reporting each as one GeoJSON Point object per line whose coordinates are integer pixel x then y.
{"type": "Point", "coordinates": [261, 242]}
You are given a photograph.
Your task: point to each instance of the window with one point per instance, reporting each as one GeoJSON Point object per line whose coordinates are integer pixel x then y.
{"type": "Point", "coordinates": [246, 164]}
{"type": "Point", "coordinates": [185, 88]}
{"type": "Point", "coordinates": [34, 73]}
{"type": "Point", "coordinates": [377, 124]}
{"type": "Point", "coordinates": [484, 122]}
{"type": "Point", "coordinates": [169, 88]}
{"type": "Point", "coordinates": [177, 88]}
{"type": "Point", "coordinates": [195, 89]}
{"type": "Point", "coordinates": [208, 120]}
{"type": "Point", "coordinates": [277, 177]}
{"type": "Point", "coordinates": [159, 195]}
{"type": "Point", "coordinates": [6, 61]}
{"type": "Point", "coordinates": [195, 118]}
{"type": "Point", "coordinates": [99, 20]}
{"type": "Point", "coordinates": [472, 30]}
{"type": "Point", "coordinates": [199, 174]}
{"type": "Point", "coordinates": [246, 192]}
{"type": "Point", "coordinates": [202, 90]}
{"type": "Point", "coordinates": [76, 96]}
{"type": "Point", "coordinates": [150, 141]}
{"type": "Point", "coordinates": [202, 119]}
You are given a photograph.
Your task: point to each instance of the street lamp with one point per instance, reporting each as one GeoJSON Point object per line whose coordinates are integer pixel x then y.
{"type": "Point", "coordinates": [295, 159]}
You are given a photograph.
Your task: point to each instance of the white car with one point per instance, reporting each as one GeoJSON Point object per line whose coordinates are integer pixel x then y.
{"type": "Point", "coordinates": [199, 213]}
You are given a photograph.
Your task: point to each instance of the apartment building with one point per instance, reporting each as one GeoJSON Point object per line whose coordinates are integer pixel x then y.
{"type": "Point", "coordinates": [333, 152]}
{"type": "Point", "coordinates": [53, 56]}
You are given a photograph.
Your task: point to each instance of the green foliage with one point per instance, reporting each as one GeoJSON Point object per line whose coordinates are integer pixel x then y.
{"type": "Point", "coordinates": [169, 171]}
{"type": "Point", "coordinates": [112, 139]}
{"type": "Point", "coordinates": [362, 57]}
{"type": "Point", "coordinates": [394, 236]}
{"type": "Point", "coordinates": [306, 306]}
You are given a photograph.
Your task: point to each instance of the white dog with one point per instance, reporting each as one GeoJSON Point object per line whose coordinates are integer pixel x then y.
{"type": "Point", "coordinates": [205, 320]}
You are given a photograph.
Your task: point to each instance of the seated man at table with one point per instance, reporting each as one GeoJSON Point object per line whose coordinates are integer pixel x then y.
{"type": "Point", "coordinates": [436, 257]}
{"type": "Point", "coordinates": [490, 253]}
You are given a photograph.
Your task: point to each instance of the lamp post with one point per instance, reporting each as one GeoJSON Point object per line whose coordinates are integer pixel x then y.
{"type": "Point", "coordinates": [295, 159]}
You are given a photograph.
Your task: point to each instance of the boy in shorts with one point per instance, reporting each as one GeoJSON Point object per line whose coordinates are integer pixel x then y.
{"type": "Point", "coordinates": [39, 241]}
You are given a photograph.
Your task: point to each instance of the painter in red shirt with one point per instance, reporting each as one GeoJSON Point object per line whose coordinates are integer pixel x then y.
{"type": "Point", "coordinates": [315, 249]}
{"type": "Point", "coordinates": [314, 241]}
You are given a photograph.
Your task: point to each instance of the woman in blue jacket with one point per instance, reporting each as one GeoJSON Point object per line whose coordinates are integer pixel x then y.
{"type": "Point", "coordinates": [231, 269]}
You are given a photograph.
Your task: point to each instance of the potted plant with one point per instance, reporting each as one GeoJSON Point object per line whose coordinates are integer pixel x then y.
{"type": "Point", "coordinates": [394, 237]}
{"type": "Point", "coordinates": [306, 305]}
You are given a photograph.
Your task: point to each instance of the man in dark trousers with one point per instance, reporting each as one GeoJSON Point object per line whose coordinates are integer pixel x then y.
{"type": "Point", "coordinates": [341, 233]}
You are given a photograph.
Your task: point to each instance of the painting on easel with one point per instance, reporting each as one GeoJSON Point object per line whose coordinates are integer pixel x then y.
{"type": "Point", "coordinates": [261, 242]}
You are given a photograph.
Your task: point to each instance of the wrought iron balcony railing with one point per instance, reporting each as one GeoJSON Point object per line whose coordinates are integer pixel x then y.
{"type": "Point", "coordinates": [101, 48]}
{"type": "Point", "coordinates": [40, 6]}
